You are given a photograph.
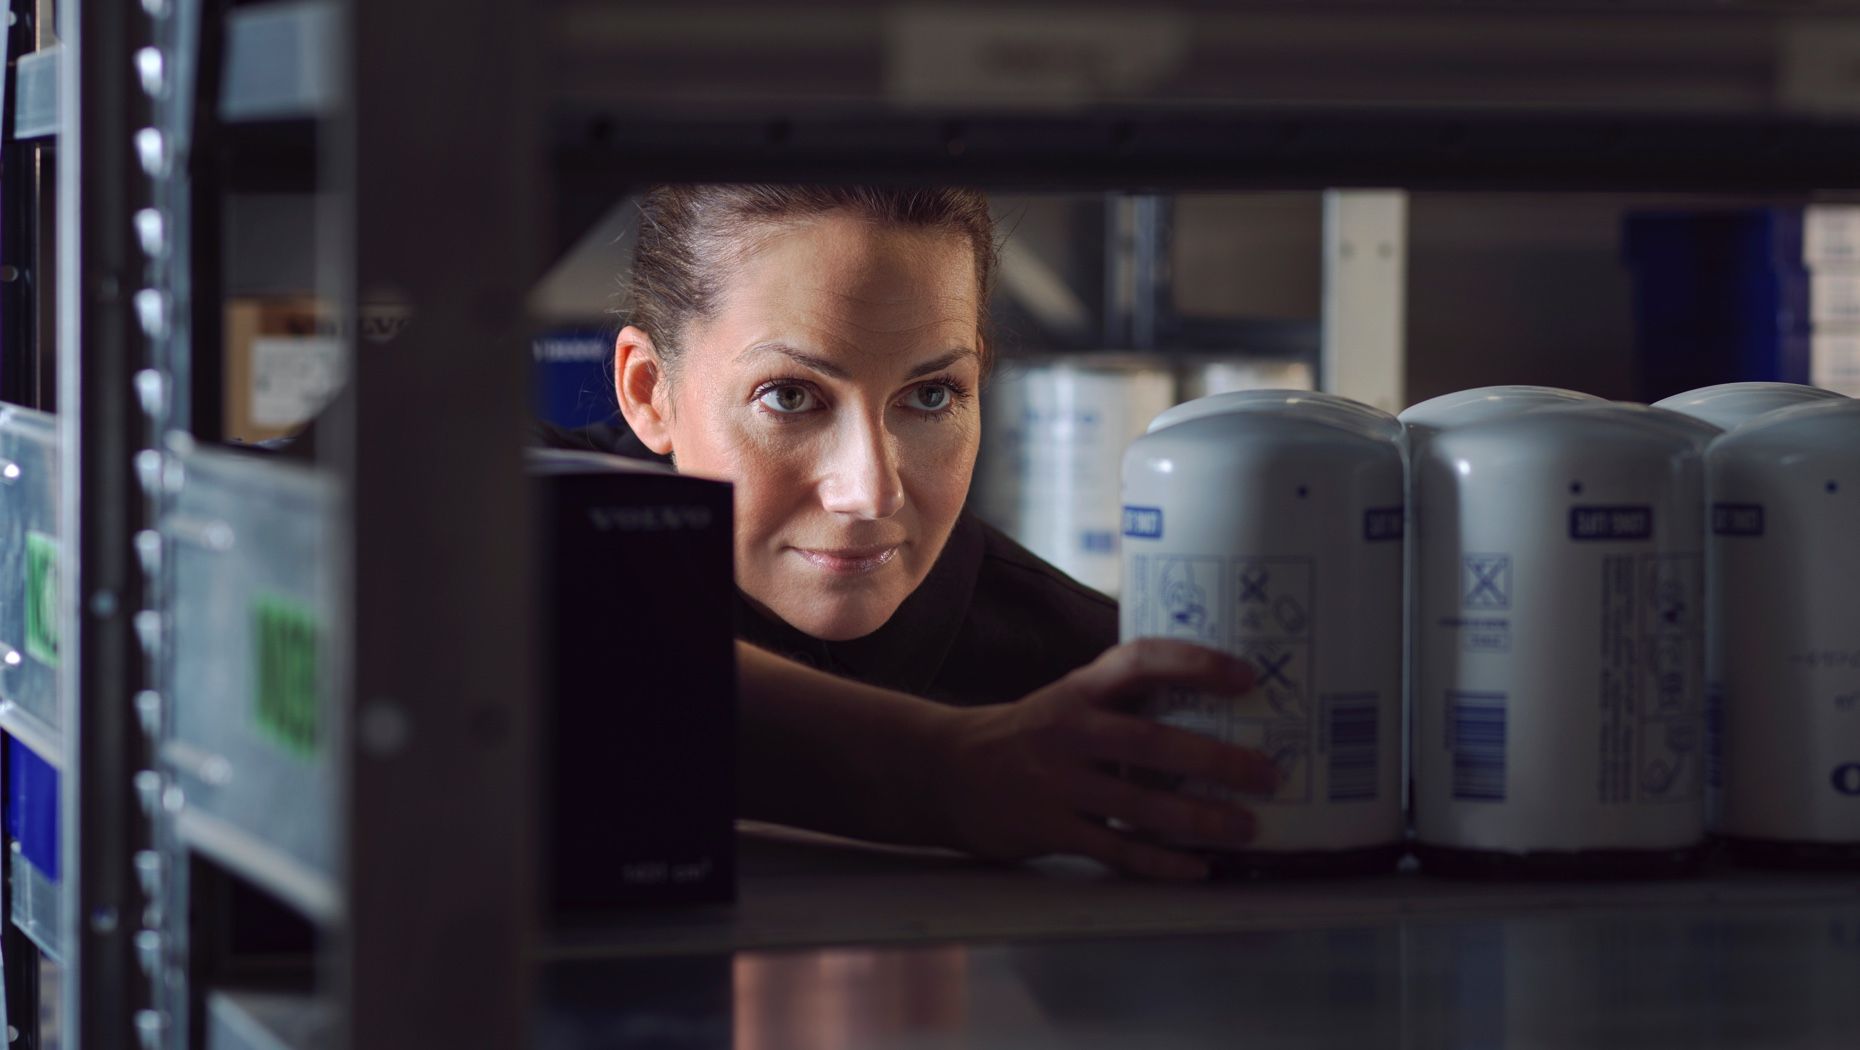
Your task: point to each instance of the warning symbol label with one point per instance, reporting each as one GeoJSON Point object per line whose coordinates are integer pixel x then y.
{"type": "Point", "coordinates": [1485, 581]}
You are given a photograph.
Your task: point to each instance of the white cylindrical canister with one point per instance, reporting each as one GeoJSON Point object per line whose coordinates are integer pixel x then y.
{"type": "Point", "coordinates": [1201, 377]}
{"type": "Point", "coordinates": [1276, 536]}
{"type": "Point", "coordinates": [1785, 545]}
{"type": "Point", "coordinates": [1333, 408]}
{"type": "Point", "coordinates": [1053, 432]}
{"type": "Point", "coordinates": [1420, 422]}
{"type": "Point", "coordinates": [1730, 404]}
{"type": "Point", "coordinates": [1559, 644]}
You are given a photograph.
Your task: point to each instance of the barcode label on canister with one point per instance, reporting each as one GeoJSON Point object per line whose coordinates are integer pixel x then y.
{"type": "Point", "coordinates": [1476, 737]}
{"type": "Point", "coordinates": [1355, 747]}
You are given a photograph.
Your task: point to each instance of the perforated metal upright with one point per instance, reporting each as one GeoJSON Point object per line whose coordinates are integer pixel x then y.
{"type": "Point", "coordinates": [112, 316]}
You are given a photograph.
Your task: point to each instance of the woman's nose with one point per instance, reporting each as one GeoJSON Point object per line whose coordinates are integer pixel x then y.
{"type": "Point", "coordinates": [862, 479]}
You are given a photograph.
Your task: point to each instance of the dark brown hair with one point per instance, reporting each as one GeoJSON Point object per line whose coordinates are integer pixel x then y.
{"type": "Point", "coordinates": [692, 236]}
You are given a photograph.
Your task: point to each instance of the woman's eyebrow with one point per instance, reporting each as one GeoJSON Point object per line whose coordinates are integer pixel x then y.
{"type": "Point", "coordinates": [818, 364]}
{"type": "Point", "coordinates": [937, 364]}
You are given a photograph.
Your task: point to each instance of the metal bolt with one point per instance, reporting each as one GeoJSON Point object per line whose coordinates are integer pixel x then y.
{"type": "Point", "coordinates": [148, 791]}
{"type": "Point", "coordinates": [149, 629]}
{"type": "Point", "coordinates": [148, 471]}
{"type": "Point", "coordinates": [152, 232]}
{"type": "Point", "coordinates": [148, 951]}
{"type": "Point", "coordinates": [152, 312]}
{"type": "Point", "coordinates": [148, 551]}
{"type": "Point", "coordinates": [152, 392]}
{"type": "Point", "coordinates": [148, 711]}
{"type": "Point", "coordinates": [152, 151]}
{"type": "Point", "coordinates": [150, 1025]}
{"type": "Point", "coordinates": [103, 604]}
{"type": "Point", "coordinates": [149, 867]}
{"type": "Point", "coordinates": [150, 68]}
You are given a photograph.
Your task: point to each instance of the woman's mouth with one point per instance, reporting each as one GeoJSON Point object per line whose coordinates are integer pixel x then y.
{"type": "Point", "coordinates": [849, 561]}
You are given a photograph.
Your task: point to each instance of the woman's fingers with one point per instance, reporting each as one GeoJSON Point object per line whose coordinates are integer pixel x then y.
{"type": "Point", "coordinates": [1107, 736]}
{"type": "Point", "coordinates": [1135, 670]}
{"type": "Point", "coordinates": [1169, 816]}
{"type": "Point", "coordinates": [1134, 857]}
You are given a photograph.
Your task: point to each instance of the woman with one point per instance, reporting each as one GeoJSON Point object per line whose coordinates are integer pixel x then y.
{"type": "Point", "coordinates": [821, 348]}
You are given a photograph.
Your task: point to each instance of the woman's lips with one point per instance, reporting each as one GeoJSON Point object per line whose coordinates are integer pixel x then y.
{"type": "Point", "coordinates": [849, 561]}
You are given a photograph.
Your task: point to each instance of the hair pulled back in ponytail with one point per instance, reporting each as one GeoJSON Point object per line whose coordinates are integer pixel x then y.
{"type": "Point", "coordinates": [691, 237]}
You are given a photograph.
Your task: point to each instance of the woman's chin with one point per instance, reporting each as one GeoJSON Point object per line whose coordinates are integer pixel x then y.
{"type": "Point", "coordinates": [836, 619]}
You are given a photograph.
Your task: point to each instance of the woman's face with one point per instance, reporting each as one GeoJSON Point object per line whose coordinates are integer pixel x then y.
{"type": "Point", "coordinates": [835, 386]}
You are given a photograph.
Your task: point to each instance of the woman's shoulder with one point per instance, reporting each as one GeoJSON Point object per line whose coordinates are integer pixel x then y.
{"type": "Point", "coordinates": [1028, 624]}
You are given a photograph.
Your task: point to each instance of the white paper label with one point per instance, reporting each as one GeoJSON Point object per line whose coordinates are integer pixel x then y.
{"type": "Point", "coordinates": [293, 377]}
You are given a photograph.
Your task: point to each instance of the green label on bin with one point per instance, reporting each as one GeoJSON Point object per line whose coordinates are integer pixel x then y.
{"type": "Point", "coordinates": [42, 598]}
{"type": "Point", "coordinates": [286, 704]}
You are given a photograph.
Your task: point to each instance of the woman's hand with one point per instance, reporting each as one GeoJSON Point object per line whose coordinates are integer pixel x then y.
{"type": "Point", "coordinates": [1028, 778]}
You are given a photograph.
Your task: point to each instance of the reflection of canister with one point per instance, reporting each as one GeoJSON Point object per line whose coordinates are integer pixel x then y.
{"type": "Point", "coordinates": [1202, 377]}
{"type": "Point", "coordinates": [1277, 537]}
{"type": "Point", "coordinates": [1785, 544]}
{"type": "Point", "coordinates": [1559, 645]}
{"type": "Point", "coordinates": [1334, 408]}
{"type": "Point", "coordinates": [1053, 429]}
{"type": "Point", "coordinates": [1730, 404]}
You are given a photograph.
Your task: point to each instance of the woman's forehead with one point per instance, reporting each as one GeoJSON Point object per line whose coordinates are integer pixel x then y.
{"type": "Point", "coordinates": [862, 291]}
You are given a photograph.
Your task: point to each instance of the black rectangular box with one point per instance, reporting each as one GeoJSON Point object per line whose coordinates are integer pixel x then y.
{"type": "Point", "coordinates": [638, 728]}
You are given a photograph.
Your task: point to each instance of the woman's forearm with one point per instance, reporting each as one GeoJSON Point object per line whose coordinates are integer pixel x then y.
{"type": "Point", "coordinates": [828, 753]}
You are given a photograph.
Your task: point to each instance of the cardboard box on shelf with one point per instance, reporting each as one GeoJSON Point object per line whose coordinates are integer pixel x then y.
{"type": "Point", "coordinates": [283, 364]}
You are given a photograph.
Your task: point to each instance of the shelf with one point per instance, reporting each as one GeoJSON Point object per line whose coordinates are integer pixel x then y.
{"type": "Point", "coordinates": [279, 66]}
{"type": "Point", "coordinates": [1262, 147]}
{"type": "Point", "coordinates": [253, 1020]}
{"type": "Point", "coordinates": [312, 892]}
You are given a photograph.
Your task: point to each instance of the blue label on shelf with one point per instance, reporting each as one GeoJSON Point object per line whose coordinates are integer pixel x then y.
{"type": "Point", "coordinates": [32, 807]}
{"type": "Point", "coordinates": [573, 387]}
{"type": "Point", "coordinates": [1737, 519]}
{"type": "Point", "coordinates": [1382, 523]}
{"type": "Point", "coordinates": [1144, 523]}
{"type": "Point", "coordinates": [1610, 523]}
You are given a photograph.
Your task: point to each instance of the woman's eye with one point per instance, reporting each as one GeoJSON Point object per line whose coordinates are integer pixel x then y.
{"type": "Point", "coordinates": [931, 397]}
{"type": "Point", "coordinates": [788, 400]}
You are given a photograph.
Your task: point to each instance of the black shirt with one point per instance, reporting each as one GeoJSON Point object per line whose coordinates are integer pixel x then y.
{"type": "Point", "coordinates": [990, 623]}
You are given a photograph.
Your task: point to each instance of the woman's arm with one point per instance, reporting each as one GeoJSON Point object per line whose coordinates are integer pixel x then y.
{"type": "Point", "coordinates": [1008, 781]}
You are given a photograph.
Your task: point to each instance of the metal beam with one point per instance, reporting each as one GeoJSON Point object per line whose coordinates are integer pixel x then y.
{"type": "Point", "coordinates": [433, 949]}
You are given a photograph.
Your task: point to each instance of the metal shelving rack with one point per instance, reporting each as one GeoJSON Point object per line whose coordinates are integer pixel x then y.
{"type": "Point", "coordinates": [444, 181]}
{"type": "Point", "coordinates": [156, 812]}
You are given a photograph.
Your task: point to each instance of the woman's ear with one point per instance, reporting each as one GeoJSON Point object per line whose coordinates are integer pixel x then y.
{"type": "Point", "coordinates": [644, 393]}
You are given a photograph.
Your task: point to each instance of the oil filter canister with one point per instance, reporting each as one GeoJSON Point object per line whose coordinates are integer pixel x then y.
{"type": "Point", "coordinates": [1729, 404]}
{"type": "Point", "coordinates": [1053, 429]}
{"type": "Point", "coordinates": [1559, 645]}
{"type": "Point", "coordinates": [1785, 550]}
{"type": "Point", "coordinates": [1276, 536]}
{"type": "Point", "coordinates": [1334, 408]}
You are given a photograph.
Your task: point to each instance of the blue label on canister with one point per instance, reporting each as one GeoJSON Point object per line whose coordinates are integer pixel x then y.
{"type": "Point", "coordinates": [1611, 523]}
{"type": "Point", "coordinates": [1144, 523]}
{"type": "Point", "coordinates": [1382, 523]}
{"type": "Point", "coordinates": [1737, 519]}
